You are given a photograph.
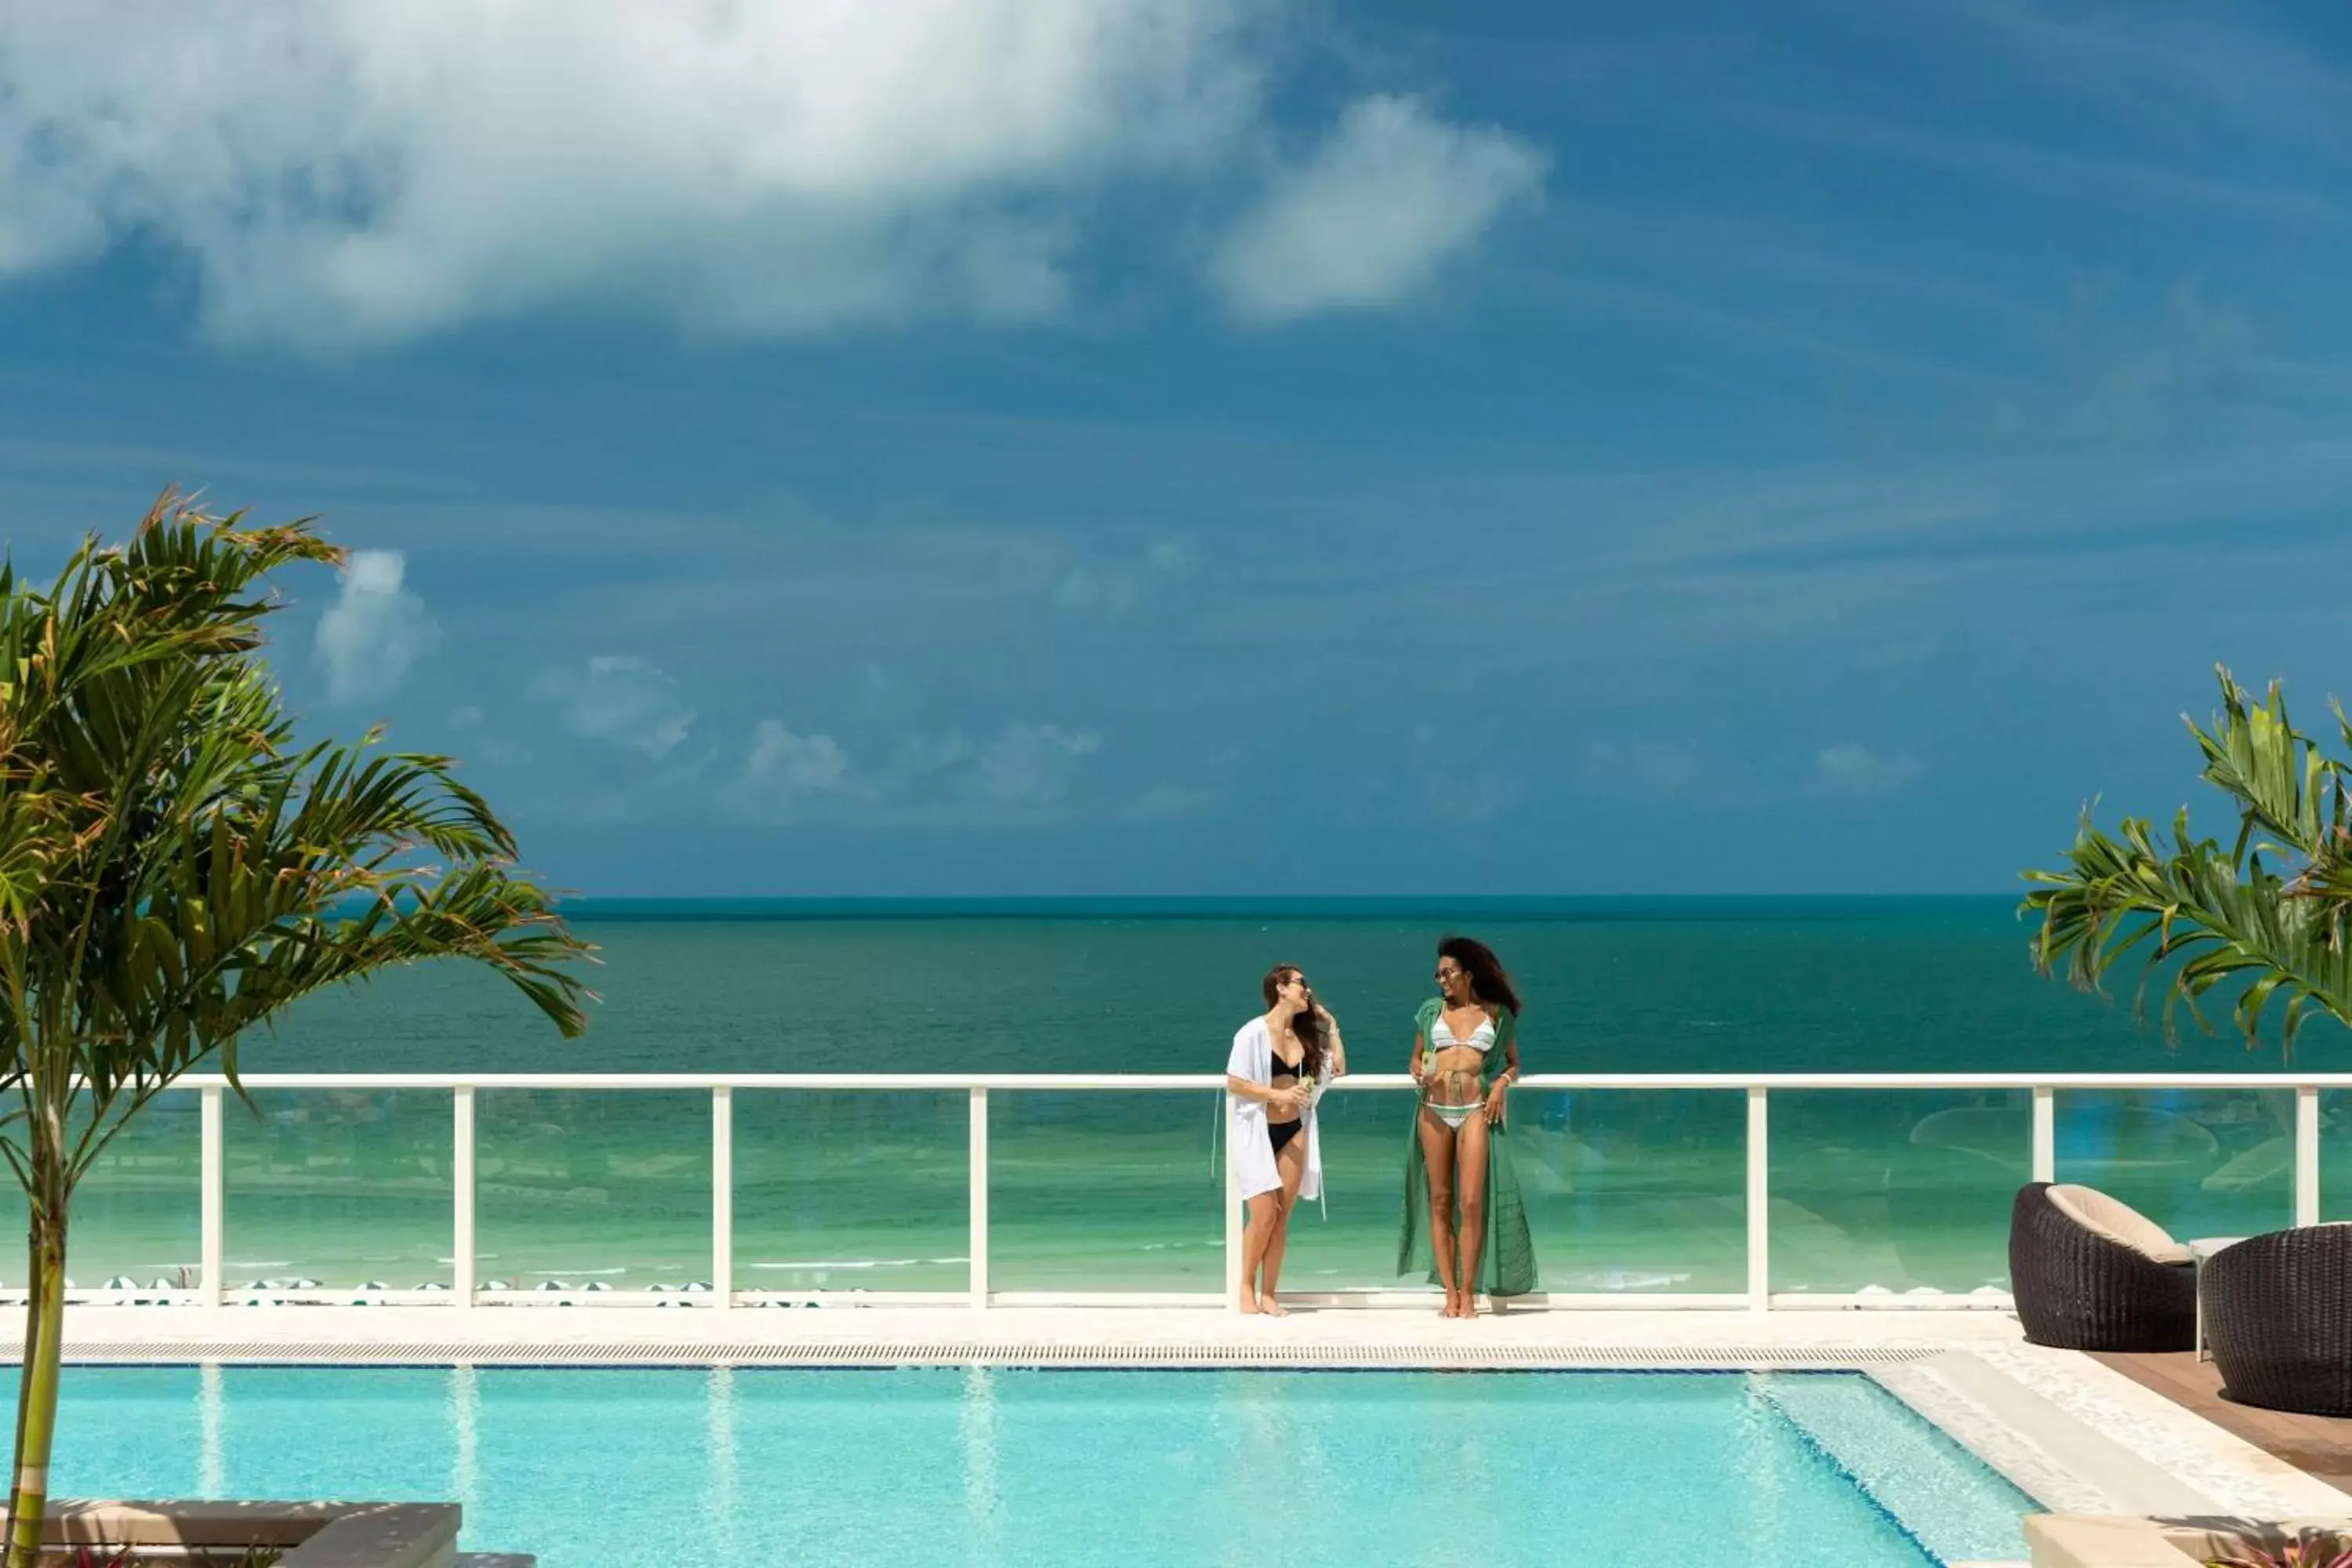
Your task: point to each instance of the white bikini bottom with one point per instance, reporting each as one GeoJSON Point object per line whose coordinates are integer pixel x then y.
{"type": "Point", "coordinates": [1454, 1116]}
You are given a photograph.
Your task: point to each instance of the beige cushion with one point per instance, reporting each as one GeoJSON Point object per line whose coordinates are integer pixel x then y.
{"type": "Point", "coordinates": [2119, 1222]}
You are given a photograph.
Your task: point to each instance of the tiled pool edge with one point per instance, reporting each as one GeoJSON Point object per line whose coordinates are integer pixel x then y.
{"type": "Point", "coordinates": [1037, 1336]}
{"type": "Point", "coordinates": [1305, 1355]}
{"type": "Point", "coordinates": [2079, 1437]}
{"type": "Point", "coordinates": [2027, 1464]}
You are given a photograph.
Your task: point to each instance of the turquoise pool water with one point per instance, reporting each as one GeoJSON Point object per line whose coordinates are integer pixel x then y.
{"type": "Point", "coordinates": [986, 1467]}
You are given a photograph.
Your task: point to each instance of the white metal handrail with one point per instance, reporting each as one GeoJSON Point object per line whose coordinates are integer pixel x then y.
{"type": "Point", "coordinates": [1757, 1090]}
{"type": "Point", "coordinates": [948, 1081]}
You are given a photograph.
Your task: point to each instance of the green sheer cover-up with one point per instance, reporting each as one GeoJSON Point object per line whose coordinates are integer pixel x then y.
{"type": "Point", "coordinates": [1506, 1263]}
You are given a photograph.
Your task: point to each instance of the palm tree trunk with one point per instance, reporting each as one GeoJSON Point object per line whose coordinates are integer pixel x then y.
{"type": "Point", "coordinates": [33, 1315]}
{"type": "Point", "coordinates": [37, 1390]}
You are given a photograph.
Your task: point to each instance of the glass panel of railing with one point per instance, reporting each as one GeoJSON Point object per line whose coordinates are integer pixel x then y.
{"type": "Point", "coordinates": [1105, 1191]}
{"type": "Point", "coordinates": [2198, 1161]}
{"type": "Point", "coordinates": [1902, 1191]}
{"type": "Point", "coordinates": [860, 1191]}
{"type": "Point", "coordinates": [138, 1213]}
{"type": "Point", "coordinates": [1349, 1240]}
{"type": "Point", "coordinates": [1635, 1191]}
{"type": "Point", "coordinates": [338, 1187]}
{"type": "Point", "coordinates": [581, 1189]}
{"type": "Point", "coordinates": [2334, 1154]}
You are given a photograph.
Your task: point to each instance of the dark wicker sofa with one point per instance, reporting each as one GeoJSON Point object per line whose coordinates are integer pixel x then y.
{"type": "Point", "coordinates": [2081, 1290]}
{"type": "Point", "coordinates": [2278, 1316]}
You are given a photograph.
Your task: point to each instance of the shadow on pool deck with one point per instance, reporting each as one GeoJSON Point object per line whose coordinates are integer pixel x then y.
{"type": "Point", "coordinates": [2318, 1446]}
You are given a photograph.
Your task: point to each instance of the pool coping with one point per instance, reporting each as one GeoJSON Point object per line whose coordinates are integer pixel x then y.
{"type": "Point", "coordinates": [2080, 1438]}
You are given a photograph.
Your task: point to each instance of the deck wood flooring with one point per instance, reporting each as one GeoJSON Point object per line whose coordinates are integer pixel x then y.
{"type": "Point", "coordinates": [2318, 1446]}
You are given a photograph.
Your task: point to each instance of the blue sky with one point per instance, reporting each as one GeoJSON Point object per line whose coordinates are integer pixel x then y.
{"type": "Point", "coordinates": [1009, 447]}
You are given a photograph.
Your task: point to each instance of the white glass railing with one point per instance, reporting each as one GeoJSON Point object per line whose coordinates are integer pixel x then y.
{"type": "Point", "coordinates": [1646, 1190]}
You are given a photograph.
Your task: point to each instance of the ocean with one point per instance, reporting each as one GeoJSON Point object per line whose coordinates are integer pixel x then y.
{"type": "Point", "coordinates": [1628, 1192]}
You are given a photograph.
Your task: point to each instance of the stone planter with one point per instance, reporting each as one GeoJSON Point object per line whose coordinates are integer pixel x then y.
{"type": "Point", "coordinates": [310, 1534]}
{"type": "Point", "coordinates": [2125, 1540]}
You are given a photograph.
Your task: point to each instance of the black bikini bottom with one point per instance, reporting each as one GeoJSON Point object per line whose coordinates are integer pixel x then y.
{"type": "Point", "coordinates": [1281, 1132]}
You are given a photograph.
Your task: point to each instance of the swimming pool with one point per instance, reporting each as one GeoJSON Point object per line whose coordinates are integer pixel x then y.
{"type": "Point", "coordinates": [982, 1466]}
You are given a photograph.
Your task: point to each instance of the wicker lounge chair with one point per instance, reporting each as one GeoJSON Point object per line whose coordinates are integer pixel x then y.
{"type": "Point", "coordinates": [2278, 1316]}
{"type": "Point", "coordinates": [2091, 1273]}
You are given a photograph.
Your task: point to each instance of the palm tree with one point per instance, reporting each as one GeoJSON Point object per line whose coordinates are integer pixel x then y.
{"type": "Point", "coordinates": [2268, 912]}
{"type": "Point", "coordinates": [174, 871]}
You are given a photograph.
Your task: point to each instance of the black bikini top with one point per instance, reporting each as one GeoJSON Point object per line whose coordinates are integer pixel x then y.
{"type": "Point", "coordinates": [1282, 1069]}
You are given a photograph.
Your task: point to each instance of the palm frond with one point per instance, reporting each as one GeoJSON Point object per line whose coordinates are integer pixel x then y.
{"type": "Point", "coordinates": [174, 870]}
{"type": "Point", "coordinates": [2267, 914]}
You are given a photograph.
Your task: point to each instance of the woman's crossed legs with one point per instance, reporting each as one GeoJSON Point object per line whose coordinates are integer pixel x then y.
{"type": "Point", "coordinates": [1268, 1233]}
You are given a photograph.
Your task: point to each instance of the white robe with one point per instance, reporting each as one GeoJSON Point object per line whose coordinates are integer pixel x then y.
{"type": "Point", "coordinates": [1251, 1144]}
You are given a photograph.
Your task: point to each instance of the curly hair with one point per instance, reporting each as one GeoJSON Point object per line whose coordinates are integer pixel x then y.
{"type": "Point", "coordinates": [1489, 981]}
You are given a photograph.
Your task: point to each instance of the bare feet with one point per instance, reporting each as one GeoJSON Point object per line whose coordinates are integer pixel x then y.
{"type": "Point", "coordinates": [1249, 1302]}
{"type": "Point", "coordinates": [1271, 1307]}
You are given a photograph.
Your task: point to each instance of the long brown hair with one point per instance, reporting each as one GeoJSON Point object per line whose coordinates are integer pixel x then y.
{"type": "Point", "coordinates": [1306, 1026]}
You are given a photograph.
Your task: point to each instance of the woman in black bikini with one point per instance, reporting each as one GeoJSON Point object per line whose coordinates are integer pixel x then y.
{"type": "Point", "coordinates": [1279, 1065]}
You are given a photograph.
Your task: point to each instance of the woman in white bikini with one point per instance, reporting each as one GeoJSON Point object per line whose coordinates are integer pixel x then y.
{"type": "Point", "coordinates": [1465, 1057]}
{"type": "Point", "coordinates": [1281, 1062]}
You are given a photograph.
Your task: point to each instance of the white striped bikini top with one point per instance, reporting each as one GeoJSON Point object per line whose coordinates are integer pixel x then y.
{"type": "Point", "coordinates": [1441, 1037]}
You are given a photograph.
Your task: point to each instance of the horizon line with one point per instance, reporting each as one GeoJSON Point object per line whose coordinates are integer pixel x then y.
{"type": "Point", "coordinates": [1387, 902]}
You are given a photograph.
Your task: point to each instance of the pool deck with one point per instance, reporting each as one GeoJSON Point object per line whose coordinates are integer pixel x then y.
{"type": "Point", "coordinates": [2318, 1446]}
{"type": "Point", "coordinates": [1117, 1336]}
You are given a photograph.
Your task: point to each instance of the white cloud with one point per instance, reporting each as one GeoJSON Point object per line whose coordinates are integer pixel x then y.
{"type": "Point", "coordinates": [729, 168]}
{"type": "Point", "coordinates": [1114, 588]}
{"type": "Point", "coordinates": [375, 630]}
{"type": "Point", "coordinates": [945, 779]}
{"type": "Point", "coordinates": [627, 701]}
{"type": "Point", "coordinates": [1371, 215]}
{"type": "Point", "coordinates": [355, 173]}
{"type": "Point", "coordinates": [803, 765]}
{"type": "Point", "coordinates": [1857, 771]}
{"type": "Point", "coordinates": [1030, 764]}
{"type": "Point", "coordinates": [783, 772]}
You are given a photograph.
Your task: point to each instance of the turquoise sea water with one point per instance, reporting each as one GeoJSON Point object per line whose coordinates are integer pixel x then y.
{"type": "Point", "coordinates": [983, 1467]}
{"type": "Point", "coordinates": [1635, 1192]}
{"type": "Point", "coordinates": [1653, 985]}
